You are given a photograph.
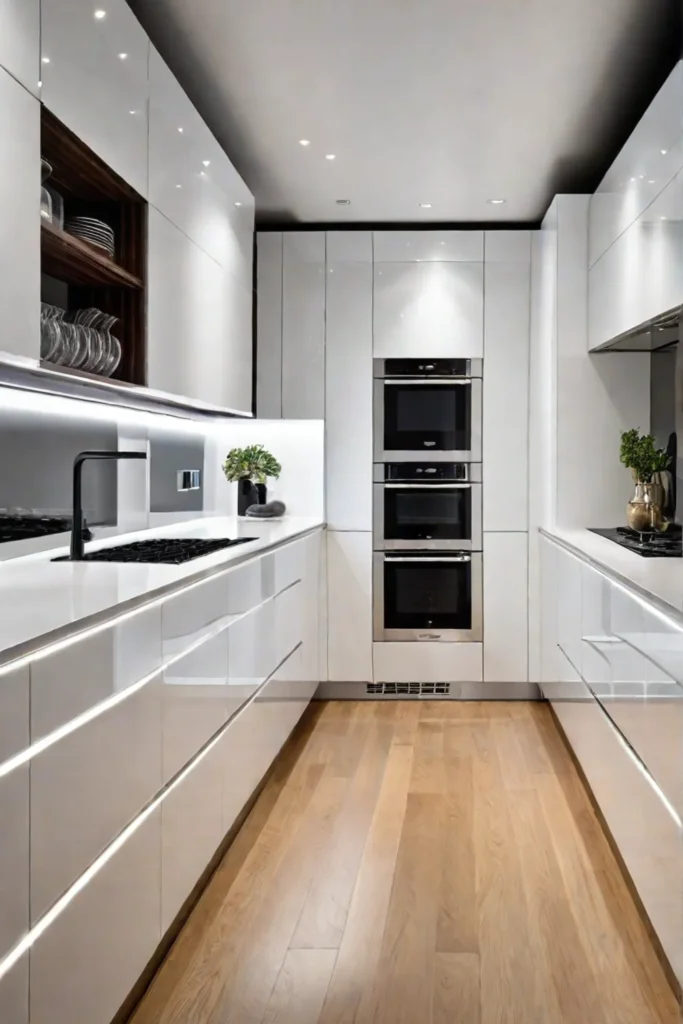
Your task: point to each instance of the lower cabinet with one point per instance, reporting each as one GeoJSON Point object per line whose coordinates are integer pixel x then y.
{"type": "Point", "coordinates": [506, 625]}
{"type": "Point", "coordinates": [427, 662]}
{"type": "Point", "coordinates": [85, 964]}
{"type": "Point", "coordinates": [14, 994]}
{"type": "Point", "coordinates": [349, 608]}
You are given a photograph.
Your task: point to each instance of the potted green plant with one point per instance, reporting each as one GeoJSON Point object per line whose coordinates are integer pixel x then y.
{"type": "Point", "coordinates": [648, 465]}
{"type": "Point", "coordinates": [250, 468]}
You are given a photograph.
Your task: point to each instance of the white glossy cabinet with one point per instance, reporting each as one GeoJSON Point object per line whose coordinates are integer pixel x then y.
{"type": "Point", "coordinates": [199, 337]}
{"type": "Point", "coordinates": [14, 994]}
{"type": "Point", "coordinates": [20, 203]}
{"type": "Point", "coordinates": [269, 325]}
{"type": "Point", "coordinates": [20, 41]}
{"type": "Point", "coordinates": [303, 325]}
{"type": "Point", "coordinates": [69, 680]}
{"type": "Point", "coordinates": [348, 381]}
{"type": "Point", "coordinates": [191, 830]}
{"type": "Point", "coordinates": [428, 308]}
{"type": "Point", "coordinates": [14, 815]}
{"type": "Point", "coordinates": [435, 246]}
{"type": "Point", "coordinates": [641, 274]}
{"type": "Point", "coordinates": [507, 284]}
{"type": "Point", "coordinates": [506, 608]}
{"type": "Point", "coordinates": [349, 609]}
{"type": "Point", "coordinates": [113, 925]}
{"type": "Point", "coordinates": [191, 180]}
{"type": "Point", "coordinates": [427, 663]}
{"type": "Point", "coordinates": [95, 80]}
{"type": "Point", "coordinates": [113, 763]}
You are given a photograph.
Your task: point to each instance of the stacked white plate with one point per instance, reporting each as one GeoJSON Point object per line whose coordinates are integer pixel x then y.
{"type": "Point", "coordinates": [91, 230]}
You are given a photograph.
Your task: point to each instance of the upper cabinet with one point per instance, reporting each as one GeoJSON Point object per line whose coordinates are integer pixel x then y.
{"type": "Point", "coordinates": [428, 294]}
{"type": "Point", "coordinates": [20, 204]}
{"type": "Point", "coordinates": [303, 325]}
{"type": "Point", "coordinates": [641, 274]}
{"type": "Point", "coordinates": [192, 181]}
{"type": "Point", "coordinates": [649, 160]}
{"type": "Point", "coordinates": [20, 41]}
{"type": "Point", "coordinates": [94, 69]}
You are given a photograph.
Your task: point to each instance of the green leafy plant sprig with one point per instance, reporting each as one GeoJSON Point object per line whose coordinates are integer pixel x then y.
{"type": "Point", "coordinates": [639, 454]}
{"type": "Point", "coordinates": [251, 463]}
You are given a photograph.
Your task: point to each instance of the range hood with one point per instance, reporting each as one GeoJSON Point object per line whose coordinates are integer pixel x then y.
{"type": "Point", "coordinates": [661, 332]}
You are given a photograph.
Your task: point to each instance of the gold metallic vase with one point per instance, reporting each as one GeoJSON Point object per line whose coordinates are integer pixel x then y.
{"type": "Point", "coordinates": [644, 510]}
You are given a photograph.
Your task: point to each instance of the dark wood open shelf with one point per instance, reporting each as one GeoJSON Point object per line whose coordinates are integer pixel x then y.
{"type": "Point", "coordinates": [76, 262]}
{"type": "Point", "coordinates": [76, 275]}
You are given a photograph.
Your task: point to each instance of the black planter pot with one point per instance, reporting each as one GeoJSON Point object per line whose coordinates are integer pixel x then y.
{"type": "Point", "coordinates": [246, 495]}
{"type": "Point", "coordinates": [262, 491]}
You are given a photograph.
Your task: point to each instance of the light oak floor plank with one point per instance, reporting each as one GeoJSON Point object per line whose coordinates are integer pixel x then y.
{"type": "Point", "coordinates": [416, 863]}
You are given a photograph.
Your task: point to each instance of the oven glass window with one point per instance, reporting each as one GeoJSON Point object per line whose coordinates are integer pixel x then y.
{"type": "Point", "coordinates": [427, 416]}
{"type": "Point", "coordinates": [421, 594]}
{"type": "Point", "coordinates": [429, 513]}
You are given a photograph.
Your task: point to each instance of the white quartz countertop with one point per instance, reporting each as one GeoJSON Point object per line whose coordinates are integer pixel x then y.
{"type": "Point", "coordinates": [42, 601]}
{"type": "Point", "coordinates": [657, 580]}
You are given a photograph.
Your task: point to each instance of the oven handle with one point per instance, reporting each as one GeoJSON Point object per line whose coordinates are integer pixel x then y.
{"type": "Point", "coordinates": [411, 381]}
{"type": "Point", "coordinates": [452, 558]}
{"type": "Point", "coordinates": [427, 486]}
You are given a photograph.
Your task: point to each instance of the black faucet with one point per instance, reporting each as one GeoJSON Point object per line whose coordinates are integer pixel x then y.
{"type": "Point", "coordinates": [77, 534]}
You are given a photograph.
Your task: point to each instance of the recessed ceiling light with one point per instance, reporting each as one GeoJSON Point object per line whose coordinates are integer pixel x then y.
{"type": "Point", "coordinates": [425, 206]}
{"type": "Point", "coordinates": [330, 156]}
{"type": "Point", "coordinates": [123, 56]}
{"type": "Point", "coordinates": [132, 111]}
{"type": "Point", "coordinates": [664, 151]}
{"type": "Point", "coordinates": [237, 203]}
{"type": "Point", "coordinates": [651, 181]}
{"type": "Point", "coordinates": [206, 162]}
{"type": "Point", "coordinates": [641, 176]}
{"type": "Point", "coordinates": [100, 14]}
{"type": "Point", "coordinates": [181, 130]}
{"type": "Point", "coordinates": [662, 218]}
{"type": "Point", "coordinates": [179, 186]}
{"type": "Point", "coordinates": [343, 202]}
{"type": "Point", "coordinates": [633, 179]}
{"type": "Point", "coordinates": [495, 202]}
{"type": "Point", "coordinates": [45, 60]}
{"type": "Point", "coordinates": [304, 142]}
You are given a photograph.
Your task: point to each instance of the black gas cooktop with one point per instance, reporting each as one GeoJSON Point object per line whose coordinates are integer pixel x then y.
{"type": "Point", "coordinates": [167, 551]}
{"type": "Point", "coordinates": [28, 525]}
{"type": "Point", "coordinates": [649, 545]}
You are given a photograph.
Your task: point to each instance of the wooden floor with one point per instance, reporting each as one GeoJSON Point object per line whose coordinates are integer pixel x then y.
{"type": "Point", "coordinates": [416, 863]}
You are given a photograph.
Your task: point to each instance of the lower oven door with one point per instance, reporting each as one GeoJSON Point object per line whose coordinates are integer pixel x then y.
{"type": "Point", "coordinates": [428, 596]}
{"type": "Point", "coordinates": [426, 517]}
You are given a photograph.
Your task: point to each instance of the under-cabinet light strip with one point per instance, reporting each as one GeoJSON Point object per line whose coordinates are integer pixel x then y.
{"type": "Point", "coordinates": [50, 916]}
{"type": "Point", "coordinates": [41, 745]}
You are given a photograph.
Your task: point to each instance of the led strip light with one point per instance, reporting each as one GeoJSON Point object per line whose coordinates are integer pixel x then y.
{"type": "Point", "coordinates": [41, 926]}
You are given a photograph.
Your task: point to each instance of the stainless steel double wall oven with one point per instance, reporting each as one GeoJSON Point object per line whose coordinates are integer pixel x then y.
{"type": "Point", "coordinates": [427, 500]}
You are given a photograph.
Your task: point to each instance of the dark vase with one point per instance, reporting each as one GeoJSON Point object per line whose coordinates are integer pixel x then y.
{"type": "Point", "coordinates": [262, 491]}
{"type": "Point", "coordinates": [246, 495]}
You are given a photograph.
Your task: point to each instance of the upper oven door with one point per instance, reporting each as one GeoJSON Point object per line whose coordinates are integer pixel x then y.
{"type": "Point", "coordinates": [427, 517]}
{"type": "Point", "coordinates": [434, 418]}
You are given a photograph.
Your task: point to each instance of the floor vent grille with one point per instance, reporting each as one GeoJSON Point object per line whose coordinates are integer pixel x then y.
{"type": "Point", "coordinates": [408, 689]}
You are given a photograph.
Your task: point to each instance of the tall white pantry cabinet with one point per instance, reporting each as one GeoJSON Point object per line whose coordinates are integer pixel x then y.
{"type": "Point", "coordinates": [328, 302]}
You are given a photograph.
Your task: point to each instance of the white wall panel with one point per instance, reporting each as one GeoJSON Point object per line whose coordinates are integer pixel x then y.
{"type": "Point", "coordinates": [507, 282]}
{"type": "Point", "coordinates": [428, 309]}
{"type": "Point", "coordinates": [427, 662]}
{"type": "Point", "coordinates": [437, 246]}
{"type": "Point", "coordinates": [113, 925]}
{"type": "Point", "coordinates": [349, 580]}
{"type": "Point", "coordinates": [348, 381]}
{"type": "Point", "coordinates": [101, 97]}
{"type": "Point", "coordinates": [14, 994]}
{"type": "Point", "coordinates": [505, 608]}
{"type": "Point", "coordinates": [303, 325]}
{"type": "Point", "coordinates": [269, 325]}
{"type": "Point", "coordinates": [20, 41]}
{"type": "Point", "coordinates": [20, 204]}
